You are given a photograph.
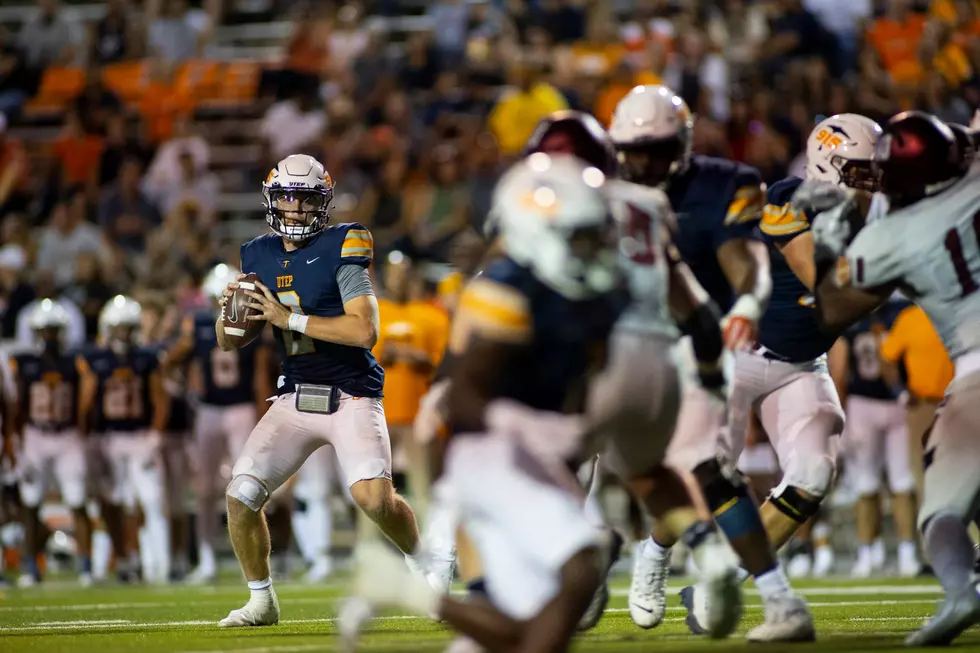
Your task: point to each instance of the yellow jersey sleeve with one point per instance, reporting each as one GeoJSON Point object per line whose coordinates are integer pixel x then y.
{"type": "Point", "coordinates": [495, 311]}
{"type": "Point", "coordinates": [747, 205]}
{"type": "Point", "coordinates": [358, 247]}
{"type": "Point", "coordinates": [781, 221]}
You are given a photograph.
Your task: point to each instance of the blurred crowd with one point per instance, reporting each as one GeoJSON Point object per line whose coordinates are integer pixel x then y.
{"type": "Point", "coordinates": [121, 191]}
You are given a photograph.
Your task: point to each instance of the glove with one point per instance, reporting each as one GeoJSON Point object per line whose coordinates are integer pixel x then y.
{"type": "Point", "coordinates": [814, 196]}
{"type": "Point", "coordinates": [741, 326]}
{"type": "Point", "coordinates": [832, 229]}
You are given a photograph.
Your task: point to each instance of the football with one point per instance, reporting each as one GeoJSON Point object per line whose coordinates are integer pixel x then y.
{"type": "Point", "coordinates": [239, 330]}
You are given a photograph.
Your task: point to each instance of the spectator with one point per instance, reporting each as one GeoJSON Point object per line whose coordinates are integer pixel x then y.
{"type": "Point", "coordinates": [521, 107]}
{"type": "Point", "coordinates": [372, 64]}
{"type": "Point", "coordinates": [96, 103]}
{"type": "Point", "coordinates": [112, 37]}
{"type": "Point", "coordinates": [48, 39]}
{"type": "Point", "coordinates": [895, 38]}
{"type": "Point", "coordinates": [939, 100]}
{"type": "Point", "coordinates": [382, 205]}
{"type": "Point", "coordinates": [740, 28]}
{"type": "Point", "coordinates": [163, 104]}
{"type": "Point", "coordinates": [126, 215]}
{"type": "Point", "coordinates": [292, 125]}
{"type": "Point", "coordinates": [89, 291]}
{"type": "Point", "coordinates": [843, 19]}
{"type": "Point", "coordinates": [451, 21]}
{"type": "Point", "coordinates": [564, 20]}
{"type": "Point", "coordinates": [483, 173]}
{"type": "Point", "coordinates": [348, 38]}
{"type": "Point", "coordinates": [196, 186]}
{"type": "Point", "coordinates": [436, 209]}
{"type": "Point", "coordinates": [15, 293]}
{"type": "Point", "coordinates": [14, 180]}
{"type": "Point", "coordinates": [795, 34]}
{"type": "Point", "coordinates": [67, 236]}
{"type": "Point", "coordinates": [419, 67]}
{"type": "Point", "coordinates": [173, 36]}
{"type": "Point", "coordinates": [913, 341]}
{"type": "Point", "coordinates": [166, 168]}
{"type": "Point", "coordinates": [17, 83]}
{"type": "Point", "coordinates": [600, 50]}
{"type": "Point", "coordinates": [79, 152]}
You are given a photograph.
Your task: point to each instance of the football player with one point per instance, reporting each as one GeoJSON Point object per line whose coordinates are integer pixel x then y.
{"type": "Point", "coordinates": [124, 403]}
{"type": "Point", "coordinates": [718, 204]}
{"type": "Point", "coordinates": [44, 410]}
{"type": "Point", "coordinates": [233, 389]}
{"type": "Point", "coordinates": [538, 319]}
{"type": "Point", "coordinates": [877, 442]}
{"type": "Point", "coordinates": [315, 290]}
{"type": "Point", "coordinates": [634, 402]}
{"type": "Point", "coordinates": [927, 246]}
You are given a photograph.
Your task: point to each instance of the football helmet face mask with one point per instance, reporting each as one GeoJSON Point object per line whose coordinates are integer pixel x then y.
{"type": "Point", "coordinates": [652, 129]}
{"type": "Point", "coordinates": [554, 218]}
{"type": "Point", "coordinates": [578, 134]}
{"type": "Point", "coordinates": [119, 323]}
{"type": "Point", "coordinates": [917, 157]}
{"type": "Point", "coordinates": [966, 141]}
{"type": "Point", "coordinates": [839, 150]}
{"type": "Point", "coordinates": [298, 193]}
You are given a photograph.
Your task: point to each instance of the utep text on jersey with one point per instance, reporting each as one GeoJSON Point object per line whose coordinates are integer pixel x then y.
{"type": "Point", "coordinates": [566, 335]}
{"type": "Point", "coordinates": [790, 327]}
{"type": "Point", "coordinates": [47, 390]}
{"type": "Point", "coordinates": [228, 376]}
{"type": "Point", "coordinates": [123, 400]}
{"type": "Point", "coordinates": [305, 280]}
{"type": "Point", "coordinates": [864, 352]}
{"type": "Point", "coordinates": [715, 201]}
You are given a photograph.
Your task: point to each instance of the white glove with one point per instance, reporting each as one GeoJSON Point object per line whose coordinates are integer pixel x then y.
{"type": "Point", "coordinates": [832, 229]}
{"type": "Point", "coordinates": [814, 196]}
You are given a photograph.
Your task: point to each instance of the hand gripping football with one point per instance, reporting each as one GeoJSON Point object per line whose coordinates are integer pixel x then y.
{"type": "Point", "coordinates": [239, 330]}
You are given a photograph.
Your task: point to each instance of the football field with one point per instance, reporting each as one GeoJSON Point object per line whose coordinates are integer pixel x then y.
{"type": "Point", "coordinates": [871, 615]}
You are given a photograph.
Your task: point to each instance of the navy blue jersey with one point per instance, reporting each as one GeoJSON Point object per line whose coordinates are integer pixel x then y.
{"type": "Point", "coordinates": [715, 201]}
{"type": "Point", "coordinates": [864, 352]}
{"type": "Point", "coordinates": [228, 376]}
{"type": "Point", "coordinates": [306, 281]}
{"type": "Point", "coordinates": [47, 390]}
{"type": "Point", "coordinates": [790, 327]}
{"type": "Point", "coordinates": [123, 400]}
{"type": "Point", "coordinates": [175, 384]}
{"type": "Point", "coordinates": [565, 337]}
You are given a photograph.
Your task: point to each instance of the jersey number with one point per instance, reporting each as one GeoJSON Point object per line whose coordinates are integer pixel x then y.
{"type": "Point", "coordinates": [295, 343]}
{"type": "Point", "coordinates": [954, 245]}
{"type": "Point", "coordinates": [866, 356]}
{"type": "Point", "coordinates": [123, 399]}
{"type": "Point", "coordinates": [640, 230]}
{"type": "Point", "coordinates": [224, 368]}
{"type": "Point", "coordinates": [50, 403]}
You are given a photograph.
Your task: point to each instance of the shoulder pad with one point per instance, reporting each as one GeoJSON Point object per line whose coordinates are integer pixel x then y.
{"type": "Point", "coordinates": [356, 244]}
{"type": "Point", "coordinates": [782, 191]}
{"type": "Point", "coordinates": [779, 218]}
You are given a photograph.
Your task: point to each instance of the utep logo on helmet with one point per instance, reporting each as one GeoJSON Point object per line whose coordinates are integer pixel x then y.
{"type": "Point", "coordinates": [831, 136]}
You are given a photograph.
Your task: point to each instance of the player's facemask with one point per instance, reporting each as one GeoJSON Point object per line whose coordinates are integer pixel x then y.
{"type": "Point", "coordinates": [857, 173]}
{"type": "Point", "coordinates": [122, 338]}
{"type": "Point", "coordinates": [50, 339]}
{"type": "Point", "coordinates": [297, 214]}
{"type": "Point", "coordinates": [652, 162]}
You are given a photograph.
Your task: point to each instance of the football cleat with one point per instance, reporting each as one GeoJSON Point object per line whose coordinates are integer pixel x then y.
{"type": "Point", "coordinates": [787, 619]}
{"type": "Point", "coordinates": [259, 611]}
{"type": "Point", "coordinates": [648, 587]}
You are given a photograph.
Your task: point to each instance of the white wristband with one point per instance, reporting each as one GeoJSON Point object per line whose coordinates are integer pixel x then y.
{"type": "Point", "coordinates": [747, 306]}
{"type": "Point", "coordinates": [297, 322]}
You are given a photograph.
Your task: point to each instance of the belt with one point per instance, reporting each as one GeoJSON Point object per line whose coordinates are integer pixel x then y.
{"type": "Point", "coordinates": [769, 354]}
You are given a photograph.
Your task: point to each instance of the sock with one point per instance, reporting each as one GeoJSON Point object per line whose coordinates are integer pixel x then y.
{"type": "Point", "coordinates": [260, 589]}
{"type": "Point", "coordinates": [950, 551]}
{"type": "Point", "coordinates": [651, 550]}
{"type": "Point", "coordinates": [101, 554]}
{"type": "Point", "coordinates": [906, 549]}
{"type": "Point", "coordinates": [30, 566]}
{"type": "Point", "coordinates": [85, 564]}
{"type": "Point", "coordinates": [772, 583]}
{"type": "Point", "coordinates": [864, 552]}
{"type": "Point", "coordinates": [205, 557]}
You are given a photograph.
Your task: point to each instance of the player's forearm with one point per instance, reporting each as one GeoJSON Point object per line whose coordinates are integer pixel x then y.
{"type": "Point", "coordinates": [746, 266]}
{"type": "Point", "coordinates": [838, 306]}
{"type": "Point", "coordinates": [161, 405]}
{"type": "Point", "coordinates": [351, 330]}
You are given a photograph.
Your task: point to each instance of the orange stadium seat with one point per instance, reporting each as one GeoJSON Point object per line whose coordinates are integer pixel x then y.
{"type": "Point", "coordinates": [126, 80]}
{"type": "Point", "coordinates": [199, 79]}
{"type": "Point", "coordinates": [239, 83]}
{"type": "Point", "coordinates": [58, 87]}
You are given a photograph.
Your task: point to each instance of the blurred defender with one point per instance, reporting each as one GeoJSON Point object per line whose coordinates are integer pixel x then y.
{"type": "Point", "coordinates": [44, 412]}
{"type": "Point", "coordinates": [928, 246]}
{"type": "Point", "coordinates": [234, 386]}
{"type": "Point", "coordinates": [124, 402]}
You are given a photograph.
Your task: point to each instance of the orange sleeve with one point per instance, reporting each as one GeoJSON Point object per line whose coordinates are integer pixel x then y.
{"type": "Point", "coordinates": [439, 336]}
{"type": "Point", "coordinates": [896, 341]}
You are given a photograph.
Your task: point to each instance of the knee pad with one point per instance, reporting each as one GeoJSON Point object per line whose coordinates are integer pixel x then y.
{"type": "Point", "coordinates": [249, 491]}
{"type": "Point", "coordinates": [812, 474]}
{"type": "Point", "coordinates": [729, 499]}
{"type": "Point", "coordinates": [794, 505]}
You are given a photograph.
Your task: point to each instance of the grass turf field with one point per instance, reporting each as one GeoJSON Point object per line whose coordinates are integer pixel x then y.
{"type": "Point", "coordinates": [873, 615]}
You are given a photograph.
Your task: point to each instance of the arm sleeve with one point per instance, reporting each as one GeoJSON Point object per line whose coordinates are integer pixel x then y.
{"type": "Point", "coordinates": [354, 281]}
{"type": "Point", "coordinates": [781, 224]}
{"type": "Point", "coordinates": [894, 345]}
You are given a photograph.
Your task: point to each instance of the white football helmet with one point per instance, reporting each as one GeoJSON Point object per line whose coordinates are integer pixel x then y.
{"type": "Point", "coordinates": [839, 150]}
{"type": "Point", "coordinates": [653, 130]}
{"type": "Point", "coordinates": [218, 279]}
{"type": "Point", "coordinates": [554, 218]}
{"type": "Point", "coordinates": [49, 314]}
{"type": "Point", "coordinates": [297, 193]}
{"type": "Point", "coordinates": [120, 311]}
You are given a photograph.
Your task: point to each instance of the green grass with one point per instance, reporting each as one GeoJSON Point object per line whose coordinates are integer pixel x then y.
{"type": "Point", "coordinates": [867, 616]}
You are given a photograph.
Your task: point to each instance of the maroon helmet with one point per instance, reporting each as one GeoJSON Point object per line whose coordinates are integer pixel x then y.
{"type": "Point", "coordinates": [918, 156]}
{"type": "Point", "coordinates": [576, 133]}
